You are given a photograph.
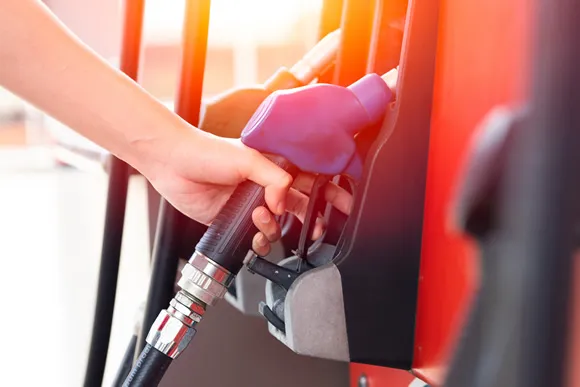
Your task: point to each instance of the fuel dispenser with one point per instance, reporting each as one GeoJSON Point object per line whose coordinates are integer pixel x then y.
{"type": "Point", "coordinates": [353, 274]}
{"type": "Point", "coordinates": [388, 287]}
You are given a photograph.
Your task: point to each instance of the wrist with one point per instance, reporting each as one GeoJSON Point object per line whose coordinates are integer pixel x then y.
{"type": "Point", "coordinates": [151, 152]}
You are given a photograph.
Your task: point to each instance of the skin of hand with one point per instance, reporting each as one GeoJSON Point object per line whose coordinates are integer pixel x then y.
{"type": "Point", "coordinates": [199, 187]}
{"type": "Point", "coordinates": [45, 64]}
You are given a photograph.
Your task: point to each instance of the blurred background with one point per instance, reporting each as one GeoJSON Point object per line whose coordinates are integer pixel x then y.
{"type": "Point", "coordinates": [248, 41]}
{"type": "Point", "coordinates": [53, 195]}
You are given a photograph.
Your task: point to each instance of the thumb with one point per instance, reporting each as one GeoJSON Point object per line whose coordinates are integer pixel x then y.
{"type": "Point", "coordinates": [274, 179]}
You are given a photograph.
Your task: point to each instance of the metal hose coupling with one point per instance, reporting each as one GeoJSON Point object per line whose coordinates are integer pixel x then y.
{"type": "Point", "coordinates": [203, 282]}
{"type": "Point", "coordinates": [204, 279]}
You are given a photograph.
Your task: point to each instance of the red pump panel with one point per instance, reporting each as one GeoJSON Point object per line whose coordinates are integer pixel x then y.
{"type": "Point", "coordinates": [379, 376]}
{"type": "Point", "coordinates": [482, 62]}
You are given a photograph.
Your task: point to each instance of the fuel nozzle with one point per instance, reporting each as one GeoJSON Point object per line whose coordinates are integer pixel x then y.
{"type": "Point", "coordinates": [311, 129]}
{"type": "Point", "coordinates": [321, 140]}
{"type": "Point", "coordinates": [240, 103]}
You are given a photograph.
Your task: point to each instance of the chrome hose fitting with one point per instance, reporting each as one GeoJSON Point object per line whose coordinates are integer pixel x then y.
{"type": "Point", "coordinates": [204, 279]}
{"type": "Point", "coordinates": [175, 327]}
{"type": "Point", "coordinates": [203, 282]}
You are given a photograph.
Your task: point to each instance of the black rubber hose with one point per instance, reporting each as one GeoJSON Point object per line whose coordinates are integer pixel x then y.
{"type": "Point", "coordinates": [149, 368]}
{"type": "Point", "coordinates": [164, 268]}
{"type": "Point", "coordinates": [126, 363]}
{"type": "Point", "coordinates": [115, 214]}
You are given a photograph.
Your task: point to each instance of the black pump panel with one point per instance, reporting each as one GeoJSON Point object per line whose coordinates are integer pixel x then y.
{"type": "Point", "coordinates": [379, 252]}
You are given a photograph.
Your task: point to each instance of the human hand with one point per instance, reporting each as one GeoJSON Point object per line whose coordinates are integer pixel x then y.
{"type": "Point", "coordinates": [198, 172]}
{"type": "Point", "coordinates": [297, 204]}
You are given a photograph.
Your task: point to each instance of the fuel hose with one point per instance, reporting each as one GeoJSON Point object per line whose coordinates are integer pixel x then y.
{"type": "Point", "coordinates": [149, 369]}
{"type": "Point", "coordinates": [219, 256]}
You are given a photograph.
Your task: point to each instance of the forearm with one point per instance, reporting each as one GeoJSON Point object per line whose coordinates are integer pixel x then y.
{"type": "Point", "coordinates": [44, 64]}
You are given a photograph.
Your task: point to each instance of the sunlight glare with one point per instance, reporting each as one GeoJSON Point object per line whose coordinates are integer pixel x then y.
{"type": "Point", "coordinates": [263, 21]}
